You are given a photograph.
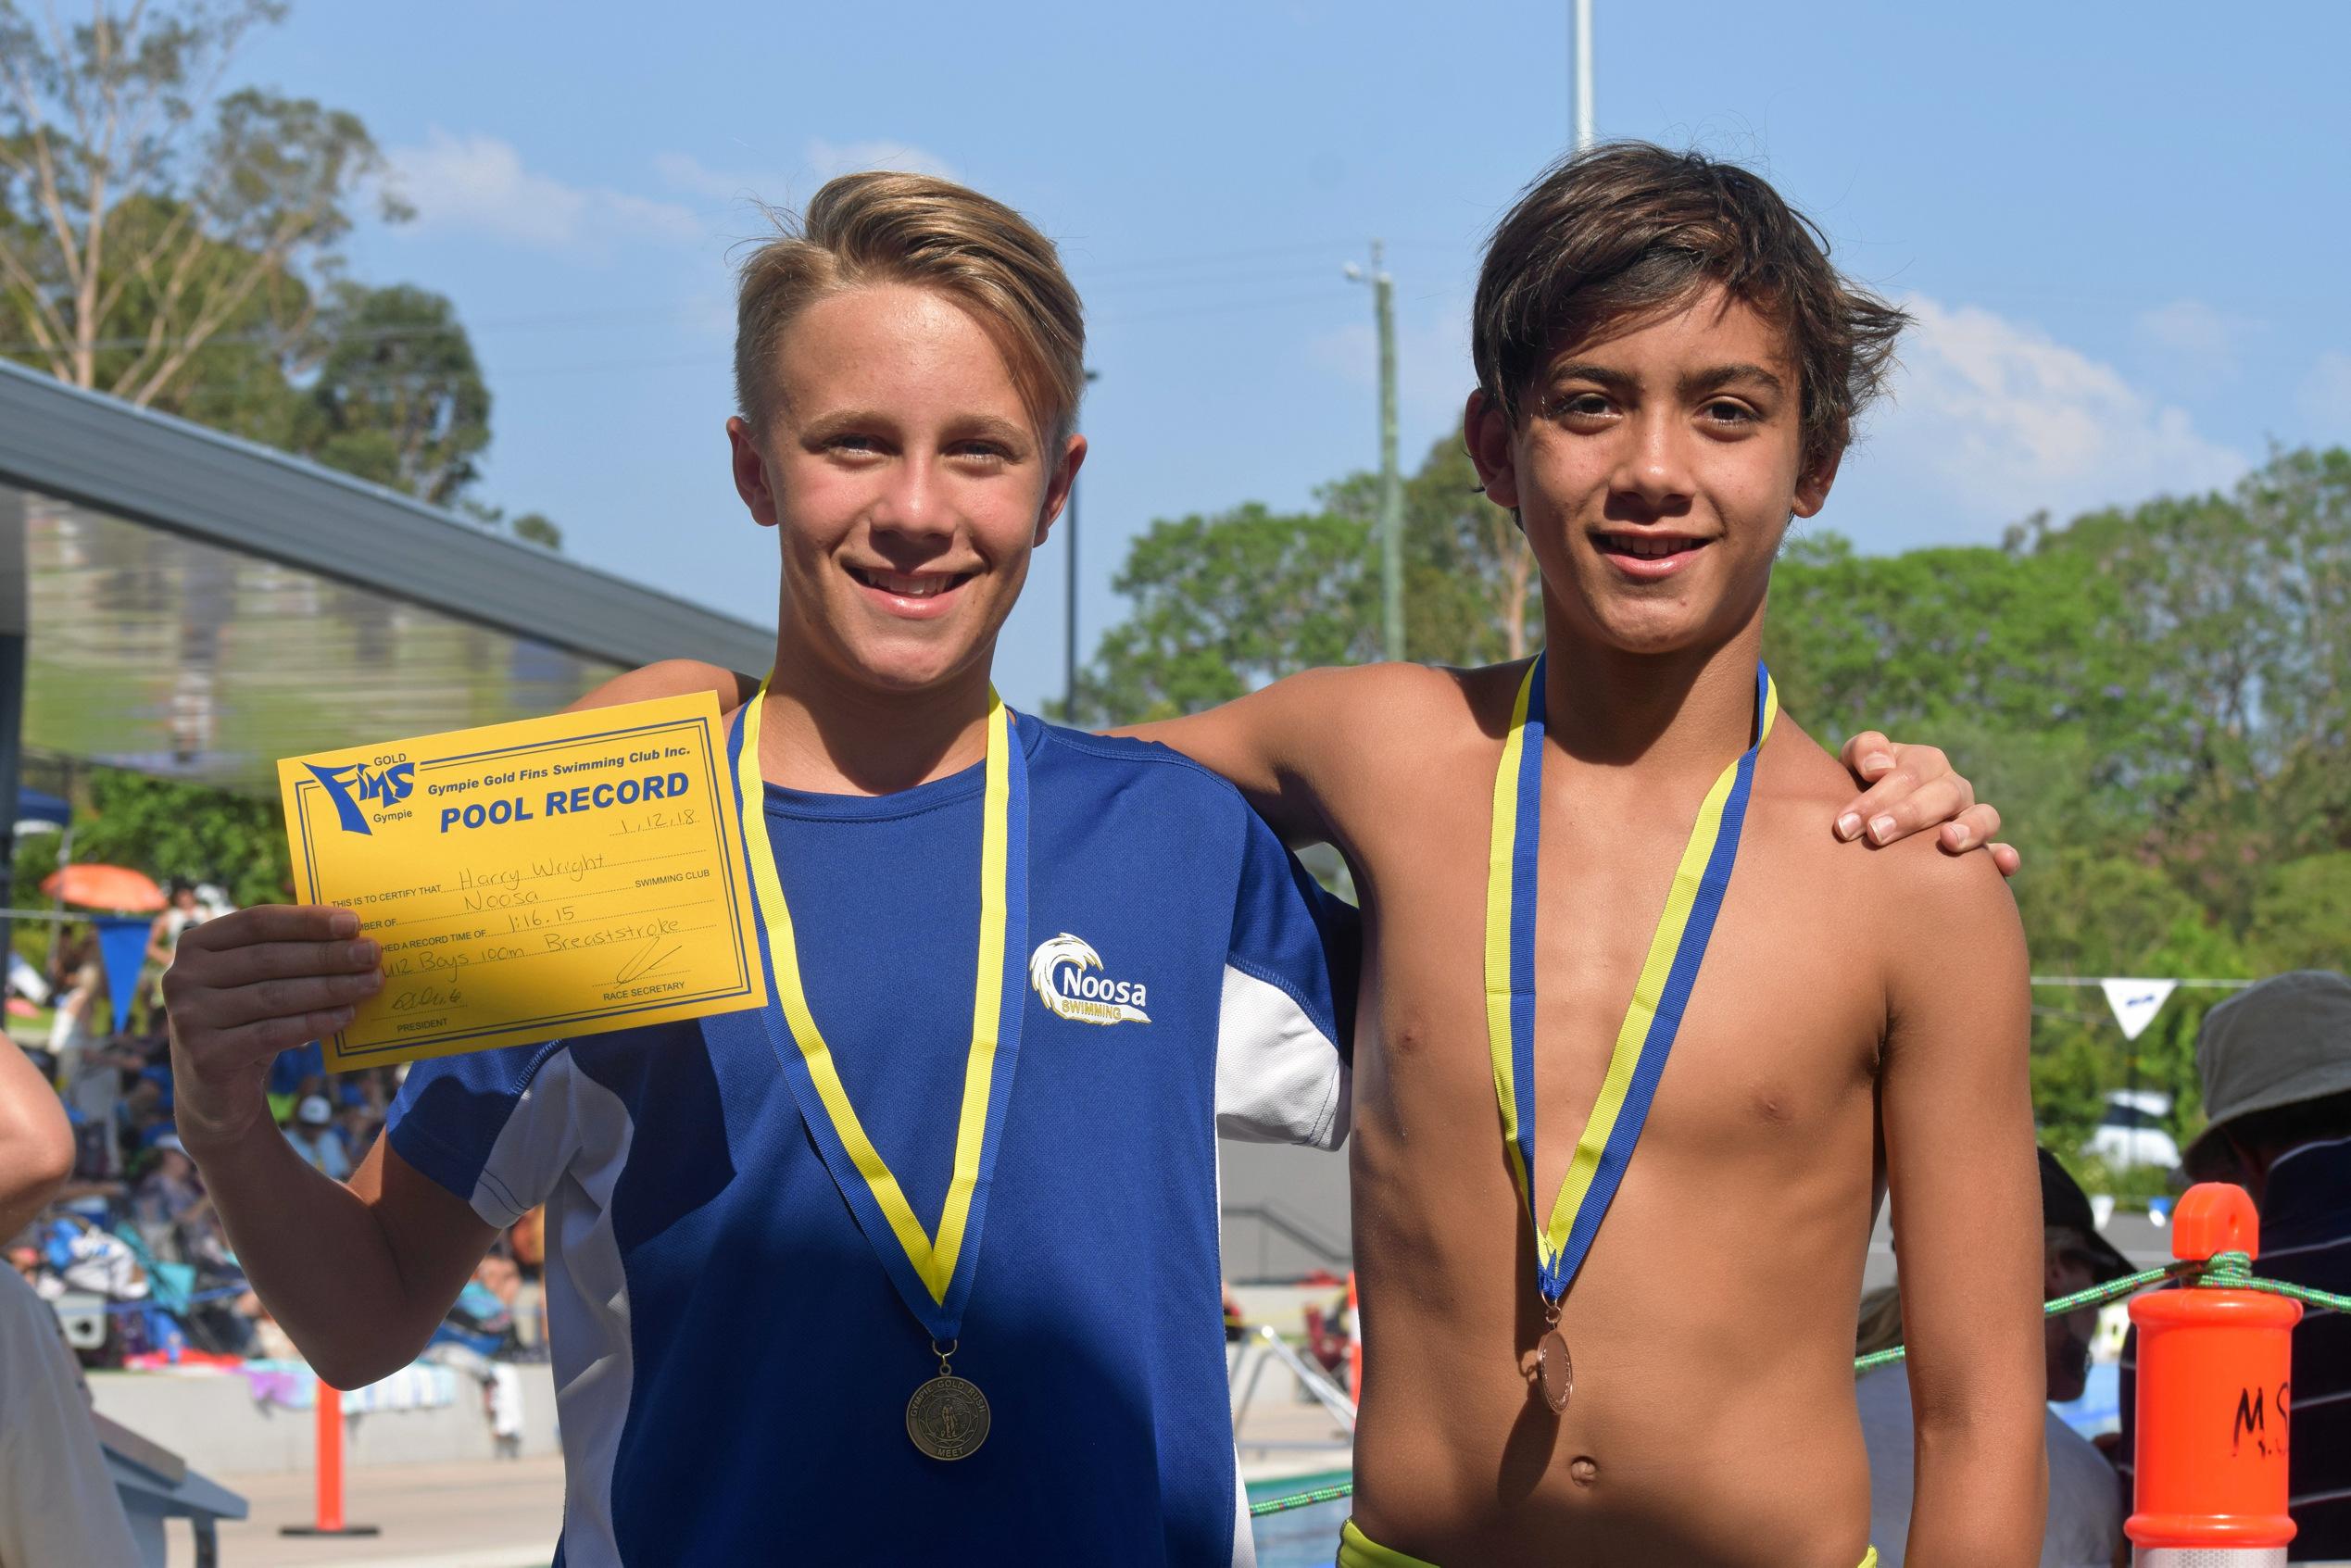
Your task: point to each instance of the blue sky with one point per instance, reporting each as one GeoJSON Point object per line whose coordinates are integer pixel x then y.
{"type": "Point", "coordinates": [2116, 225]}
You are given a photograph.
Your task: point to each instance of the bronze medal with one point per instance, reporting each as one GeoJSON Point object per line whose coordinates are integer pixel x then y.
{"type": "Point", "coordinates": [947, 1418]}
{"type": "Point", "coordinates": [1554, 1372]}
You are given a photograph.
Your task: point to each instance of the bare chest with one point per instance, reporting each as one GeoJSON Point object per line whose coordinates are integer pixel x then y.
{"type": "Point", "coordinates": [1778, 1032]}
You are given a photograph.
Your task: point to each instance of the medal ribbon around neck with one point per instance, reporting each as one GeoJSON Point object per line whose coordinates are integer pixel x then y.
{"type": "Point", "coordinates": [932, 1274]}
{"type": "Point", "coordinates": [1646, 1037]}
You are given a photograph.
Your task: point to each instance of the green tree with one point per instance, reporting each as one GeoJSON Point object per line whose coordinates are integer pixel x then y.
{"type": "Point", "coordinates": [1225, 604]}
{"type": "Point", "coordinates": [2090, 915]}
{"type": "Point", "coordinates": [397, 397]}
{"type": "Point", "coordinates": [2159, 699]}
{"type": "Point", "coordinates": [537, 528]}
{"type": "Point", "coordinates": [183, 252]}
{"type": "Point", "coordinates": [2230, 616]}
{"type": "Point", "coordinates": [2302, 917]}
{"type": "Point", "coordinates": [140, 223]}
{"type": "Point", "coordinates": [1471, 593]}
{"type": "Point", "coordinates": [2002, 658]}
{"type": "Point", "coordinates": [166, 829]}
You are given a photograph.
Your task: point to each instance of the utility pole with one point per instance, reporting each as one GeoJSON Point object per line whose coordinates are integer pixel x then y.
{"type": "Point", "coordinates": [1069, 607]}
{"type": "Point", "coordinates": [1583, 74]}
{"type": "Point", "coordinates": [1391, 489]}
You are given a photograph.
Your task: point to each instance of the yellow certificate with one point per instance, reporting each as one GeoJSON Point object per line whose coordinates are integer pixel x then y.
{"type": "Point", "coordinates": [528, 880]}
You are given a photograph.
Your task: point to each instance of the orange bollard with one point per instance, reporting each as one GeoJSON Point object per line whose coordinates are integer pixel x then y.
{"type": "Point", "coordinates": [1354, 1343]}
{"type": "Point", "coordinates": [2214, 1370]}
{"type": "Point", "coordinates": [329, 1469]}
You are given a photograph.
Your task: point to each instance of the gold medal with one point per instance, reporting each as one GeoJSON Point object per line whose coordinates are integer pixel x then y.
{"type": "Point", "coordinates": [947, 1416]}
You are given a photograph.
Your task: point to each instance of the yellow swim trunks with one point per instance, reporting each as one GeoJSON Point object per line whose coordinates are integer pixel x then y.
{"type": "Point", "coordinates": [1359, 1550]}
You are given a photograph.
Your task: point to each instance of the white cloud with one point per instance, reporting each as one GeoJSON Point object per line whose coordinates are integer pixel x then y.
{"type": "Point", "coordinates": [2002, 420]}
{"type": "Point", "coordinates": [2195, 339]}
{"type": "Point", "coordinates": [828, 159]}
{"type": "Point", "coordinates": [2325, 396]}
{"type": "Point", "coordinates": [682, 171]}
{"type": "Point", "coordinates": [777, 187]}
{"type": "Point", "coordinates": [480, 184]}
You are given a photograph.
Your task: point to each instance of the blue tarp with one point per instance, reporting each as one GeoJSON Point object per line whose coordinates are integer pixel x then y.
{"type": "Point", "coordinates": [32, 806]}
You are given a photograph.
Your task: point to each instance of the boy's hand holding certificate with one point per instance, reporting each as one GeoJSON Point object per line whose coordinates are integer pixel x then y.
{"type": "Point", "coordinates": [528, 880]}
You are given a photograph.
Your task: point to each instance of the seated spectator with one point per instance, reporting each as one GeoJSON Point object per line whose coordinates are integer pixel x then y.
{"type": "Point", "coordinates": [163, 937]}
{"type": "Point", "coordinates": [141, 1119]}
{"type": "Point", "coordinates": [358, 1125]}
{"type": "Point", "coordinates": [2275, 1062]}
{"type": "Point", "coordinates": [295, 1072]}
{"type": "Point", "coordinates": [89, 1069]}
{"type": "Point", "coordinates": [314, 1137]}
{"type": "Point", "coordinates": [2084, 1526]}
{"type": "Point", "coordinates": [166, 1196]}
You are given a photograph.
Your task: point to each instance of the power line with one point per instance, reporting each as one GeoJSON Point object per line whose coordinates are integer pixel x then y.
{"type": "Point", "coordinates": [370, 334]}
{"type": "Point", "coordinates": [1229, 308]}
{"type": "Point", "coordinates": [2080, 980]}
{"type": "Point", "coordinates": [1168, 263]}
{"type": "Point", "coordinates": [1294, 273]}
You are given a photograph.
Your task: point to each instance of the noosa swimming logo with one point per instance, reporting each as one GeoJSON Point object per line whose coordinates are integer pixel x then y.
{"type": "Point", "coordinates": [357, 782]}
{"type": "Point", "coordinates": [1061, 971]}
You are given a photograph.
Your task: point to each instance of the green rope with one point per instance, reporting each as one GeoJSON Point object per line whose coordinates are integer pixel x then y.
{"type": "Point", "coordinates": [1301, 1500]}
{"type": "Point", "coordinates": [2223, 1271]}
{"type": "Point", "coordinates": [2233, 1271]}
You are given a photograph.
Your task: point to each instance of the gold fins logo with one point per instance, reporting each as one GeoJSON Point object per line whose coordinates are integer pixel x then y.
{"type": "Point", "coordinates": [1059, 969]}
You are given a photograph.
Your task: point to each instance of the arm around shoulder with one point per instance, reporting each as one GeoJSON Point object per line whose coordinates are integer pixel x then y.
{"type": "Point", "coordinates": [670, 677]}
{"type": "Point", "coordinates": [1291, 747]}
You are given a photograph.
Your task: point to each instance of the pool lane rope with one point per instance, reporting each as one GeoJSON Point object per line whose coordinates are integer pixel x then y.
{"type": "Point", "coordinates": [2225, 1271]}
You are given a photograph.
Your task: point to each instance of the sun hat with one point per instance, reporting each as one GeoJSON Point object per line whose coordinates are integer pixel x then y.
{"type": "Point", "coordinates": [2063, 1203]}
{"type": "Point", "coordinates": [314, 1111]}
{"type": "Point", "coordinates": [2280, 1042]}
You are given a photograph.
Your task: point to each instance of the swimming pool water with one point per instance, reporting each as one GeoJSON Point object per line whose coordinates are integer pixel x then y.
{"type": "Point", "coordinates": [1302, 1537]}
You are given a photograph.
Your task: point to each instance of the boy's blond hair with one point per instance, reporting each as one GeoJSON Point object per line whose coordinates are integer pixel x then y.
{"type": "Point", "coordinates": [918, 229]}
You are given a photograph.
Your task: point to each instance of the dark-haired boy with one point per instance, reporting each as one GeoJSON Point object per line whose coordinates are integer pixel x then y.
{"type": "Point", "coordinates": [1668, 370]}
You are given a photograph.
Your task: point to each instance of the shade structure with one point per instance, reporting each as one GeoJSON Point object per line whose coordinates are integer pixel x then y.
{"type": "Point", "coordinates": [183, 604]}
{"type": "Point", "coordinates": [104, 887]}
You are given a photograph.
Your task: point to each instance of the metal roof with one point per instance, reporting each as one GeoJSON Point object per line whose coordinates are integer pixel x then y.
{"type": "Point", "coordinates": [198, 606]}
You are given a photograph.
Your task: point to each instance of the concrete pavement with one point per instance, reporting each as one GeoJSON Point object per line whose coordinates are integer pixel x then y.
{"type": "Point", "coordinates": [492, 1513]}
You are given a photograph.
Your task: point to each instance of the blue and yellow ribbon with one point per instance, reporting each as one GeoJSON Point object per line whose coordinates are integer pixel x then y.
{"type": "Point", "coordinates": [933, 1274]}
{"type": "Point", "coordinates": [1646, 1037]}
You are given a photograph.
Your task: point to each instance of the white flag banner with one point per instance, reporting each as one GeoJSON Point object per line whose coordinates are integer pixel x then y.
{"type": "Point", "coordinates": [2135, 1002]}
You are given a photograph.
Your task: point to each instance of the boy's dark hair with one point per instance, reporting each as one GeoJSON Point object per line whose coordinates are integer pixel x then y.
{"type": "Point", "coordinates": [1630, 229]}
